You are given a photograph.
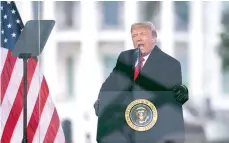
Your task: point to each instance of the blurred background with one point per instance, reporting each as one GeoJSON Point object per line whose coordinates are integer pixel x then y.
{"type": "Point", "coordinates": [89, 35]}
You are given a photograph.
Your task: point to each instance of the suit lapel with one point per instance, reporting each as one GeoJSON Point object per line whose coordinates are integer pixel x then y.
{"type": "Point", "coordinates": [151, 63]}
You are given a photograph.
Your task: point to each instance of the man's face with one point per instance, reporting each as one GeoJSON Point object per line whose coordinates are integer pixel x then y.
{"type": "Point", "coordinates": [143, 36]}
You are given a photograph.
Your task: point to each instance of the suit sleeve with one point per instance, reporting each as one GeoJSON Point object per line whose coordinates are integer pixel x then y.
{"type": "Point", "coordinates": [111, 83]}
{"type": "Point", "coordinates": [176, 74]}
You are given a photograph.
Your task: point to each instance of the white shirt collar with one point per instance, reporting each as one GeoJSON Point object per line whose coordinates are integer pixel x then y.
{"type": "Point", "coordinates": [145, 57]}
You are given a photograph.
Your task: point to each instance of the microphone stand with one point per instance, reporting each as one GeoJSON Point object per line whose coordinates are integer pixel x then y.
{"type": "Point", "coordinates": [139, 59]}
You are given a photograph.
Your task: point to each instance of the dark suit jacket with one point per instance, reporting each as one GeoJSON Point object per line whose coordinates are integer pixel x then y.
{"type": "Point", "coordinates": [160, 72]}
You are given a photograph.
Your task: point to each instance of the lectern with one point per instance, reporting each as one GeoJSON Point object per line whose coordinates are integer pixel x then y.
{"type": "Point", "coordinates": [140, 117]}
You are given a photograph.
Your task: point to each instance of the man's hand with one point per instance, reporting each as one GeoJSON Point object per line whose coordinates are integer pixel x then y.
{"type": "Point", "coordinates": [181, 94]}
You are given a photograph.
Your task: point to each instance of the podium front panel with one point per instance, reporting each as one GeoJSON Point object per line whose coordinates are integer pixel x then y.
{"type": "Point", "coordinates": [140, 116]}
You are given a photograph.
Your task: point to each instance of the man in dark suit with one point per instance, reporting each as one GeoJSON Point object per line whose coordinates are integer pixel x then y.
{"type": "Point", "coordinates": [144, 68]}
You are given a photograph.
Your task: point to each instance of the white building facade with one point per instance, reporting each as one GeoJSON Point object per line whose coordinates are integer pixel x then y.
{"type": "Point", "coordinates": [88, 36]}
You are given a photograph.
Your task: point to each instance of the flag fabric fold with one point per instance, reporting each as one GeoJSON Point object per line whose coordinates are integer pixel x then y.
{"type": "Point", "coordinates": [43, 124]}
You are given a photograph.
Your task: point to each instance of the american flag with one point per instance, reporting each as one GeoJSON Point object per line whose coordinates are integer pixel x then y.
{"type": "Point", "coordinates": [43, 124]}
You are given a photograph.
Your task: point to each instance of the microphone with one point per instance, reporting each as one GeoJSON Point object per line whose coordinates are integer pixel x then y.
{"type": "Point", "coordinates": [139, 47]}
{"type": "Point", "coordinates": [139, 53]}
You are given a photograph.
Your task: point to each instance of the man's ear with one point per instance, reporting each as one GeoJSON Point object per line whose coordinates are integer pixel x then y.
{"type": "Point", "coordinates": [154, 39]}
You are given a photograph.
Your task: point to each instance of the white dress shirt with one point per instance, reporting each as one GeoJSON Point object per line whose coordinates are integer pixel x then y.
{"type": "Point", "coordinates": [145, 59]}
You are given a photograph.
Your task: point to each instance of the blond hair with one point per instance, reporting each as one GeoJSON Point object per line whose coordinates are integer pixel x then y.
{"type": "Point", "coordinates": [145, 24]}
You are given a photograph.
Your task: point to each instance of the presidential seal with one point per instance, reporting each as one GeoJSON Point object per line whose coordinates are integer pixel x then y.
{"type": "Point", "coordinates": [141, 115]}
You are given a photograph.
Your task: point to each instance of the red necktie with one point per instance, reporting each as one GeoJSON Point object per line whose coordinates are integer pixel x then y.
{"type": "Point", "coordinates": [136, 69]}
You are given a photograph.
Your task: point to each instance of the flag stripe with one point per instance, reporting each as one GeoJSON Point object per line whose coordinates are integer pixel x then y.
{"type": "Point", "coordinates": [59, 137]}
{"type": "Point", "coordinates": [52, 129]}
{"type": "Point", "coordinates": [11, 92]}
{"type": "Point", "coordinates": [38, 109]}
{"type": "Point", "coordinates": [17, 105]}
{"type": "Point", "coordinates": [10, 123]}
{"type": "Point", "coordinates": [3, 54]}
{"type": "Point", "coordinates": [32, 97]}
{"type": "Point", "coordinates": [6, 73]}
{"type": "Point", "coordinates": [44, 121]}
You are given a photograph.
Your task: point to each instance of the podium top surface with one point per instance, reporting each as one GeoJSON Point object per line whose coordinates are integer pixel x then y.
{"type": "Point", "coordinates": [33, 37]}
